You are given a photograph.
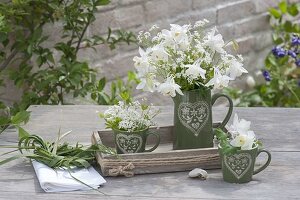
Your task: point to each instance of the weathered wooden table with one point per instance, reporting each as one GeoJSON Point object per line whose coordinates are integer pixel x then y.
{"type": "Point", "coordinates": [278, 128]}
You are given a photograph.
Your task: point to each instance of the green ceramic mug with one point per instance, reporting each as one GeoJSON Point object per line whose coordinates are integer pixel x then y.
{"type": "Point", "coordinates": [134, 142]}
{"type": "Point", "coordinates": [239, 167]}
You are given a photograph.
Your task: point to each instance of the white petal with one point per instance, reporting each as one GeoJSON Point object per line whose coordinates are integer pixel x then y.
{"type": "Point", "coordinates": [236, 142]}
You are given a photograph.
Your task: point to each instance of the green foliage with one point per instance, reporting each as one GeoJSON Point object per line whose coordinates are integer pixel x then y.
{"type": "Point", "coordinates": [223, 139]}
{"type": "Point", "coordinates": [119, 90]}
{"type": "Point", "coordinates": [48, 73]}
{"type": "Point", "coordinates": [54, 154]}
{"type": "Point", "coordinates": [283, 88]}
{"type": "Point", "coordinates": [54, 78]}
{"type": "Point", "coordinates": [6, 118]}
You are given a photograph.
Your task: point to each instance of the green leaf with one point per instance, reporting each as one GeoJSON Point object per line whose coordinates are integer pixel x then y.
{"type": "Point", "coordinates": [293, 10]}
{"type": "Point", "coordinates": [288, 26]}
{"type": "Point", "coordinates": [283, 6]}
{"type": "Point", "coordinates": [131, 76]}
{"type": "Point", "coordinates": [4, 120]}
{"type": "Point", "coordinates": [94, 96]}
{"type": "Point", "coordinates": [104, 98]}
{"type": "Point", "coordinates": [235, 45]}
{"type": "Point", "coordinates": [102, 2]}
{"type": "Point", "coordinates": [22, 133]}
{"type": "Point", "coordinates": [83, 162]}
{"type": "Point", "coordinates": [101, 84]}
{"type": "Point", "coordinates": [275, 13]}
{"type": "Point", "coordinates": [22, 116]}
{"type": "Point", "coordinates": [125, 96]}
{"type": "Point", "coordinates": [11, 159]}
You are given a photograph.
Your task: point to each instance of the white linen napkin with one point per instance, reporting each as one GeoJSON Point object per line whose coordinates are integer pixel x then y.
{"type": "Point", "coordinates": [59, 180]}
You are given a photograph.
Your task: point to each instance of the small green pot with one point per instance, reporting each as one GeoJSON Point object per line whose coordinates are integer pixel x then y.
{"type": "Point", "coordinates": [193, 125]}
{"type": "Point", "coordinates": [239, 167]}
{"type": "Point", "coordinates": [134, 142]}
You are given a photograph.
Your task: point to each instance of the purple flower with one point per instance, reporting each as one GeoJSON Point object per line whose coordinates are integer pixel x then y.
{"type": "Point", "coordinates": [299, 83]}
{"type": "Point", "coordinates": [292, 54]}
{"type": "Point", "coordinates": [295, 40]}
{"type": "Point", "coordinates": [267, 76]}
{"type": "Point", "coordinates": [298, 63]}
{"type": "Point", "coordinates": [278, 51]}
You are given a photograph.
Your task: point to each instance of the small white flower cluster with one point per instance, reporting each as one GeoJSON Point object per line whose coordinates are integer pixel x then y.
{"type": "Point", "coordinates": [242, 136]}
{"type": "Point", "coordinates": [130, 117]}
{"type": "Point", "coordinates": [184, 58]}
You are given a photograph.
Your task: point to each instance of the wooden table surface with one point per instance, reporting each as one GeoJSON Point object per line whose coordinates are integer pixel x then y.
{"type": "Point", "coordinates": [278, 128]}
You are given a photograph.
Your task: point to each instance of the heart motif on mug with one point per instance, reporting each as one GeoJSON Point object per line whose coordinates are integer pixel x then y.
{"type": "Point", "coordinates": [193, 115]}
{"type": "Point", "coordinates": [238, 164]}
{"type": "Point", "coordinates": [129, 143]}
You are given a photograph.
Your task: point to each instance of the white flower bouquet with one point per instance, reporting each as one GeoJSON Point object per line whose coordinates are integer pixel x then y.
{"type": "Point", "coordinates": [240, 137]}
{"type": "Point", "coordinates": [129, 117]}
{"type": "Point", "coordinates": [185, 58]}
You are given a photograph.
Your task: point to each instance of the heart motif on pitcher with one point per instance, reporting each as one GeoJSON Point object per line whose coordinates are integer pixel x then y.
{"type": "Point", "coordinates": [238, 164]}
{"type": "Point", "coordinates": [129, 143]}
{"type": "Point", "coordinates": [193, 115]}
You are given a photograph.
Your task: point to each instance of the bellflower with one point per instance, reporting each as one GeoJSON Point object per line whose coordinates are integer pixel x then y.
{"type": "Point", "coordinates": [219, 81]}
{"type": "Point", "coordinates": [236, 68]}
{"type": "Point", "coordinates": [189, 54]}
{"type": "Point", "coordinates": [278, 51]}
{"type": "Point", "coordinates": [194, 71]}
{"type": "Point", "coordinates": [158, 53]}
{"type": "Point", "coordinates": [147, 83]}
{"type": "Point", "coordinates": [292, 54]}
{"type": "Point", "coordinates": [298, 63]}
{"type": "Point", "coordinates": [267, 75]}
{"type": "Point", "coordinates": [142, 63]}
{"type": "Point", "coordinates": [243, 137]}
{"type": "Point", "coordinates": [169, 88]}
{"type": "Point", "coordinates": [215, 42]}
{"type": "Point", "coordinates": [179, 33]}
{"type": "Point", "coordinates": [295, 40]}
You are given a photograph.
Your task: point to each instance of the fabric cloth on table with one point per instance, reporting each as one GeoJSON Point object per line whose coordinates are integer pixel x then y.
{"type": "Point", "coordinates": [60, 180]}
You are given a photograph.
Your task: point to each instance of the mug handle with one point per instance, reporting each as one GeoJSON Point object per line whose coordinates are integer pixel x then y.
{"type": "Point", "coordinates": [226, 119]}
{"type": "Point", "coordinates": [157, 141]}
{"type": "Point", "coordinates": [266, 164]}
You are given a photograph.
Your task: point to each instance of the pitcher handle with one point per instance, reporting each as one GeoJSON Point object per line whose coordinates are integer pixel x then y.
{"type": "Point", "coordinates": [228, 115]}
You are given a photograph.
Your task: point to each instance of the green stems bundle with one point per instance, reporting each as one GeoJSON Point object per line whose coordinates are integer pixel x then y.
{"type": "Point", "coordinates": [54, 154]}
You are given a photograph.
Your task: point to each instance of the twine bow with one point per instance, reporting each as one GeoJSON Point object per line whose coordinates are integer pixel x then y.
{"type": "Point", "coordinates": [122, 170]}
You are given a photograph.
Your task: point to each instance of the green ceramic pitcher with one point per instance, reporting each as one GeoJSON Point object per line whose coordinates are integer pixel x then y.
{"type": "Point", "coordinates": [134, 142]}
{"type": "Point", "coordinates": [239, 167]}
{"type": "Point", "coordinates": [193, 125]}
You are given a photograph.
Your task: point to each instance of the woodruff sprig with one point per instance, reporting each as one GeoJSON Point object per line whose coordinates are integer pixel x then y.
{"type": "Point", "coordinates": [54, 154]}
{"type": "Point", "coordinates": [132, 116]}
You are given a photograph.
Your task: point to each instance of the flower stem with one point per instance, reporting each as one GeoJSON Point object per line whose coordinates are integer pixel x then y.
{"type": "Point", "coordinates": [293, 92]}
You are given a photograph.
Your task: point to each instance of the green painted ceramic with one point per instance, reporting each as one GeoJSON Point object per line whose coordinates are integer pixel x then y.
{"type": "Point", "coordinates": [134, 142]}
{"type": "Point", "coordinates": [193, 118]}
{"type": "Point", "coordinates": [239, 167]}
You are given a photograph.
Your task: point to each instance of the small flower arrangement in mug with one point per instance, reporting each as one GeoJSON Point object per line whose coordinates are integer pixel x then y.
{"type": "Point", "coordinates": [185, 58]}
{"type": "Point", "coordinates": [130, 123]}
{"type": "Point", "coordinates": [238, 151]}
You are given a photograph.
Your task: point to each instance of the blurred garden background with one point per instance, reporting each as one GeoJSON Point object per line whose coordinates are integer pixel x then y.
{"type": "Point", "coordinates": [80, 51]}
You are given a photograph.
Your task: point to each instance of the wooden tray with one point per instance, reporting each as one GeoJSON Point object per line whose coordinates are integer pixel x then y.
{"type": "Point", "coordinates": [163, 159]}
